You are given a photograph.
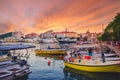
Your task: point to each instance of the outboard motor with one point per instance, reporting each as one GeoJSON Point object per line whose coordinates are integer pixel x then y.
{"type": "Point", "coordinates": [14, 59]}
{"type": "Point", "coordinates": [22, 63]}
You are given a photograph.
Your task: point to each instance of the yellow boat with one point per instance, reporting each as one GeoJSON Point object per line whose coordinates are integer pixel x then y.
{"type": "Point", "coordinates": [100, 67]}
{"type": "Point", "coordinates": [51, 52]}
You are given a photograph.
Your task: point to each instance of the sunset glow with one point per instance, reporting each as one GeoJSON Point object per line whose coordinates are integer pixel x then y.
{"type": "Point", "coordinates": [42, 15]}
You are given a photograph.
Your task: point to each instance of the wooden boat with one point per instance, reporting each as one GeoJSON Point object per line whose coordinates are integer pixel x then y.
{"type": "Point", "coordinates": [111, 66]}
{"type": "Point", "coordinates": [51, 51]}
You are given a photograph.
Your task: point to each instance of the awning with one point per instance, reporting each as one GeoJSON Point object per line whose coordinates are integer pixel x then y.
{"type": "Point", "coordinates": [15, 47]}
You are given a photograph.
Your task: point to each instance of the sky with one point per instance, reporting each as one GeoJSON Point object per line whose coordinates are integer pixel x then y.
{"type": "Point", "coordinates": [42, 15]}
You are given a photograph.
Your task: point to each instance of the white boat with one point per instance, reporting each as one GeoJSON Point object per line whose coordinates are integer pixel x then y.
{"type": "Point", "coordinates": [12, 66]}
{"type": "Point", "coordinates": [106, 55]}
{"type": "Point", "coordinates": [48, 40]}
{"type": "Point", "coordinates": [86, 46]}
{"type": "Point", "coordinates": [95, 53]}
{"type": "Point", "coordinates": [109, 59]}
{"type": "Point", "coordinates": [67, 41]}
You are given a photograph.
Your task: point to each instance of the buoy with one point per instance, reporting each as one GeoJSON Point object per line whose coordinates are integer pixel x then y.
{"type": "Point", "coordinates": [49, 63]}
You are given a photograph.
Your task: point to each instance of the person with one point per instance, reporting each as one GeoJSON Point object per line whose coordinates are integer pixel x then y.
{"type": "Point", "coordinates": [48, 47]}
{"type": "Point", "coordinates": [67, 58]}
{"type": "Point", "coordinates": [90, 51]}
{"type": "Point", "coordinates": [79, 56]}
{"type": "Point", "coordinates": [71, 59]}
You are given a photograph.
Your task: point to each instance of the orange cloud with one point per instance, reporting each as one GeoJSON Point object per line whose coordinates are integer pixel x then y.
{"type": "Point", "coordinates": [42, 15]}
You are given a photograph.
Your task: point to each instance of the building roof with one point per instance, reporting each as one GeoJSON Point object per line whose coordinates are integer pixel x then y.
{"type": "Point", "coordinates": [63, 32]}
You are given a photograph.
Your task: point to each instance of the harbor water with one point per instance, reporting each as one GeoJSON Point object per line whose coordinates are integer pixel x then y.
{"type": "Point", "coordinates": [57, 71]}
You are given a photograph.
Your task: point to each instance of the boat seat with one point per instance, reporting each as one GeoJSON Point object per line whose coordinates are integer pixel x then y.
{"type": "Point", "coordinates": [4, 59]}
{"type": "Point", "coordinates": [4, 64]}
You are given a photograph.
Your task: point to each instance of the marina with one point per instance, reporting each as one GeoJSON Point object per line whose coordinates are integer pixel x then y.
{"type": "Point", "coordinates": [59, 40]}
{"type": "Point", "coordinates": [45, 60]}
{"type": "Point", "coordinates": [41, 70]}
{"type": "Point", "coordinates": [13, 67]}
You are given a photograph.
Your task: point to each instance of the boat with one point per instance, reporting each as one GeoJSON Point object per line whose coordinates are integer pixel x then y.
{"type": "Point", "coordinates": [67, 41]}
{"type": "Point", "coordinates": [13, 65]}
{"type": "Point", "coordinates": [48, 40]}
{"type": "Point", "coordinates": [91, 64]}
{"type": "Point", "coordinates": [96, 66]}
{"type": "Point", "coordinates": [50, 51]}
{"type": "Point", "coordinates": [83, 49]}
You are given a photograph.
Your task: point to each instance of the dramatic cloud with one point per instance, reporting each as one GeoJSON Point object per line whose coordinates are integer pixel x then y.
{"type": "Point", "coordinates": [42, 15]}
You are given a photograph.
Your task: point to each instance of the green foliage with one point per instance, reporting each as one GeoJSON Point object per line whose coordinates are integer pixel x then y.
{"type": "Point", "coordinates": [112, 31]}
{"type": "Point", "coordinates": [117, 33]}
{"type": "Point", "coordinates": [99, 38]}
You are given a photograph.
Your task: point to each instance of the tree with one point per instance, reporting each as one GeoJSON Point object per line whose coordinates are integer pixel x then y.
{"type": "Point", "coordinates": [112, 31]}
{"type": "Point", "coordinates": [99, 38]}
{"type": "Point", "coordinates": [117, 33]}
{"type": "Point", "coordinates": [107, 36]}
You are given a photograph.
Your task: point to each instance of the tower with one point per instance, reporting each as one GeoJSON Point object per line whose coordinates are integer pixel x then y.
{"type": "Point", "coordinates": [66, 30]}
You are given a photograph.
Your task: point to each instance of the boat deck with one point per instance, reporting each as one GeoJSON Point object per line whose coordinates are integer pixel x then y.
{"type": "Point", "coordinates": [13, 71]}
{"type": "Point", "coordinates": [96, 63]}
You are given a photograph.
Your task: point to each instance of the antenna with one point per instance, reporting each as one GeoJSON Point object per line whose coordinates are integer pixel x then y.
{"type": "Point", "coordinates": [102, 27]}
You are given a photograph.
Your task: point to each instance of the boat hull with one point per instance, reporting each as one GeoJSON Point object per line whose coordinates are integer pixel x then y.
{"type": "Point", "coordinates": [6, 76]}
{"type": "Point", "coordinates": [93, 68]}
{"type": "Point", "coordinates": [52, 52]}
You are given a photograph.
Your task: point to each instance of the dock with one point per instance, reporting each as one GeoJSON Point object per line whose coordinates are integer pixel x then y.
{"type": "Point", "coordinates": [114, 48]}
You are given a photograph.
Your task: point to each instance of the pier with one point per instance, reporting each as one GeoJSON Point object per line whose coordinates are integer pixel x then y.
{"type": "Point", "coordinates": [116, 49]}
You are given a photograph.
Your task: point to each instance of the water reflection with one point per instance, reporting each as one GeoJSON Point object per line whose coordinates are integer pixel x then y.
{"type": "Point", "coordinates": [56, 71]}
{"type": "Point", "coordinates": [25, 77]}
{"type": "Point", "coordinates": [72, 74]}
{"type": "Point", "coordinates": [42, 71]}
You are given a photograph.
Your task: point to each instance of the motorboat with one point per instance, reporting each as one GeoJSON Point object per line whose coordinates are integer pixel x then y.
{"type": "Point", "coordinates": [95, 66]}
{"type": "Point", "coordinates": [50, 51]}
{"type": "Point", "coordinates": [13, 65]}
{"type": "Point", "coordinates": [48, 40]}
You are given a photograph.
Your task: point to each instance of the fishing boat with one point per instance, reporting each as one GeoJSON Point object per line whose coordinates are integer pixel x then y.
{"type": "Point", "coordinates": [50, 51]}
{"type": "Point", "coordinates": [13, 65]}
{"type": "Point", "coordinates": [83, 49]}
{"type": "Point", "coordinates": [96, 66]}
{"type": "Point", "coordinates": [90, 64]}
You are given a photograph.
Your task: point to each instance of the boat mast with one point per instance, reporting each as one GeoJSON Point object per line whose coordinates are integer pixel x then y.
{"type": "Point", "coordinates": [101, 51]}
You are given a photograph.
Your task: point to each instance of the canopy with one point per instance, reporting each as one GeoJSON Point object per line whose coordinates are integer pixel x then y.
{"type": "Point", "coordinates": [86, 46]}
{"type": "Point", "coordinates": [15, 47]}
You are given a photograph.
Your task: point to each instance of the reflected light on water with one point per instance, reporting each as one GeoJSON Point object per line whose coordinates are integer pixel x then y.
{"type": "Point", "coordinates": [57, 70]}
